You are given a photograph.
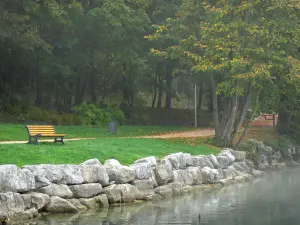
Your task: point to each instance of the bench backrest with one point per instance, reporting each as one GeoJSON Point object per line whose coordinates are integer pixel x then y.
{"type": "Point", "coordinates": [41, 129]}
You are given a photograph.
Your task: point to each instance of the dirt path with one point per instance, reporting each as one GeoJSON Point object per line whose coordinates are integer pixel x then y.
{"type": "Point", "coordinates": [203, 132]}
{"type": "Point", "coordinates": [24, 142]}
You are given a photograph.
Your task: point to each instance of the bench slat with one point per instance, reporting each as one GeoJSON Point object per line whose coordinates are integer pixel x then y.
{"type": "Point", "coordinates": [40, 127]}
{"type": "Point", "coordinates": [35, 133]}
{"type": "Point", "coordinates": [53, 135]}
{"type": "Point", "coordinates": [41, 130]}
{"type": "Point", "coordinates": [50, 135]}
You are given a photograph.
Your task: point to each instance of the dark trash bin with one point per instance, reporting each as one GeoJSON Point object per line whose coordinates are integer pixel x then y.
{"type": "Point", "coordinates": [113, 127]}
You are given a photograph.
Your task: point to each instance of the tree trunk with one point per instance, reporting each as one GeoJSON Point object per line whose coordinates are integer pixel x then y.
{"type": "Point", "coordinates": [126, 89]}
{"type": "Point", "coordinates": [68, 95]}
{"type": "Point", "coordinates": [210, 106]}
{"type": "Point", "coordinates": [225, 120]}
{"type": "Point", "coordinates": [154, 98]}
{"type": "Point", "coordinates": [56, 95]}
{"type": "Point", "coordinates": [93, 87]}
{"type": "Point", "coordinates": [6, 83]}
{"type": "Point", "coordinates": [2, 83]}
{"type": "Point", "coordinates": [200, 96]}
{"type": "Point", "coordinates": [77, 91]}
{"type": "Point", "coordinates": [126, 95]}
{"type": "Point", "coordinates": [284, 121]}
{"type": "Point", "coordinates": [229, 127]}
{"type": "Point", "coordinates": [80, 89]}
{"type": "Point", "coordinates": [169, 74]}
{"type": "Point", "coordinates": [160, 91]}
{"type": "Point", "coordinates": [250, 120]}
{"type": "Point", "coordinates": [30, 78]}
{"type": "Point", "coordinates": [83, 89]}
{"type": "Point", "coordinates": [227, 130]}
{"type": "Point", "coordinates": [93, 81]}
{"type": "Point", "coordinates": [38, 100]}
{"type": "Point", "coordinates": [243, 135]}
{"type": "Point", "coordinates": [39, 86]}
{"type": "Point", "coordinates": [155, 87]}
{"type": "Point", "coordinates": [243, 111]}
{"type": "Point", "coordinates": [133, 99]}
{"type": "Point", "coordinates": [214, 100]}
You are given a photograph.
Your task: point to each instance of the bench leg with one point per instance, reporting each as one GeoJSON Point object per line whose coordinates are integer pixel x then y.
{"type": "Point", "coordinates": [35, 141]}
{"type": "Point", "coordinates": [29, 140]}
{"type": "Point", "coordinates": [61, 140]}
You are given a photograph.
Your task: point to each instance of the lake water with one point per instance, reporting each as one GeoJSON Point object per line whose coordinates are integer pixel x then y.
{"type": "Point", "coordinates": [272, 201]}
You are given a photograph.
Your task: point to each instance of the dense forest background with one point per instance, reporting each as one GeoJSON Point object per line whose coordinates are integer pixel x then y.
{"type": "Point", "coordinates": [63, 61]}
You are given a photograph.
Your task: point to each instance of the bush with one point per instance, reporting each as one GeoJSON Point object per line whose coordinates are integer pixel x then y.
{"type": "Point", "coordinates": [66, 119]}
{"type": "Point", "coordinates": [52, 117]}
{"type": "Point", "coordinates": [43, 116]}
{"type": "Point", "coordinates": [55, 120]}
{"type": "Point", "coordinates": [282, 144]}
{"type": "Point", "coordinates": [14, 106]}
{"type": "Point", "coordinates": [140, 102]}
{"type": "Point", "coordinates": [15, 110]}
{"type": "Point", "coordinates": [86, 114]}
{"type": "Point", "coordinates": [246, 146]}
{"type": "Point", "coordinates": [78, 120]}
{"type": "Point", "coordinates": [92, 115]}
{"type": "Point", "coordinates": [126, 109]}
{"type": "Point", "coordinates": [39, 115]}
{"type": "Point", "coordinates": [10, 107]}
{"type": "Point", "coordinates": [274, 143]}
{"type": "Point", "coordinates": [250, 148]}
{"type": "Point", "coordinates": [116, 114]}
{"type": "Point", "coordinates": [140, 118]}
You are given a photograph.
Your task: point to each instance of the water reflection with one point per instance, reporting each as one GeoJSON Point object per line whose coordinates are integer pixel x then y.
{"type": "Point", "coordinates": [274, 201]}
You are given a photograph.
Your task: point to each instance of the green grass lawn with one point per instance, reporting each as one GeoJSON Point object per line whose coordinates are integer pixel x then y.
{"type": "Point", "coordinates": [126, 150]}
{"type": "Point", "coordinates": [17, 132]}
{"type": "Point", "coordinates": [195, 141]}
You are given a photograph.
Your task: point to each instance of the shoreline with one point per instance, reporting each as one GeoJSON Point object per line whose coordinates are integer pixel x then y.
{"type": "Point", "coordinates": [30, 191]}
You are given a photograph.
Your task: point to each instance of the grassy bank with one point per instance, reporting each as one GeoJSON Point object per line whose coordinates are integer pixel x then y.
{"type": "Point", "coordinates": [126, 150]}
{"type": "Point", "coordinates": [17, 132]}
{"type": "Point", "coordinates": [262, 134]}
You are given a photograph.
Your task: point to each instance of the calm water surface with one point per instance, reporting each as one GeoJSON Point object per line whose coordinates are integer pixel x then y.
{"type": "Point", "coordinates": [272, 201]}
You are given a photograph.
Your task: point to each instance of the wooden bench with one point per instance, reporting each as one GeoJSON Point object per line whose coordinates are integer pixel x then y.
{"type": "Point", "coordinates": [35, 132]}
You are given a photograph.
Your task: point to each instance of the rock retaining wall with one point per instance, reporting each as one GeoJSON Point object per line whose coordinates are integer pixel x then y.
{"type": "Point", "coordinates": [26, 192]}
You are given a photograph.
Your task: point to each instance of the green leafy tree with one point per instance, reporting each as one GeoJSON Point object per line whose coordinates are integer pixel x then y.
{"type": "Point", "coordinates": [237, 44]}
